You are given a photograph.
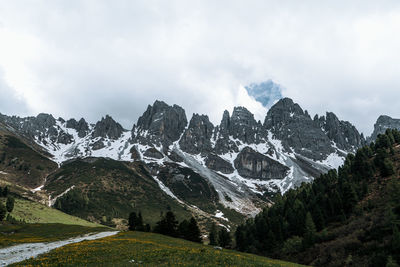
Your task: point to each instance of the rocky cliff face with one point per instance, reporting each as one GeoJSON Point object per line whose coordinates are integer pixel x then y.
{"type": "Point", "coordinates": [343, 133]}
{"type": "Point", "coordinates": [197, 137]}
{"type": "Point", "coordinates": [241, 158]}
{"type": "Point", "coordinates": [107, 128]}
{"type": "Point", "coordinates": [161, 124]}
{"type": "Point", "coordinates": [216, 163]}
{"type": "Point", "coordinates": [298, 132]}
{"type": "Point", "coordinates": [383, 122]}
{"type": "Point", "coordinates": [81, 126]}
{"type": "Point", "coordinates": [254, 165]}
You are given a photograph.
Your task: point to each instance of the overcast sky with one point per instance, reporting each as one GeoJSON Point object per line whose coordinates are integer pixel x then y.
{"type": "Point", "coordinates": [91, 58]}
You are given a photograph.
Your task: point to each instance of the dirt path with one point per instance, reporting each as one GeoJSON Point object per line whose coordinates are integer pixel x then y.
{"type": "Point", "coordinates": [25, 251]}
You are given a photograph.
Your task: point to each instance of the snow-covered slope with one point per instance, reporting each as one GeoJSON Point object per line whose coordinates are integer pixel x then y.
{"type": "Point", "coordinates": [244, 161]}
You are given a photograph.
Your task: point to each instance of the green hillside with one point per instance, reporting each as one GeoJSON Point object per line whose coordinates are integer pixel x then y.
{"type": "Point", "coordinates": [349, 217]}
{"type": "Point", "coordinates": [147, 249]}
{"type": "Point", "coordinates": [104, 189]}
{"type": "Point", "coordinates": [22, 163]}
{"type": "Point", "coordinates": [33, 212]}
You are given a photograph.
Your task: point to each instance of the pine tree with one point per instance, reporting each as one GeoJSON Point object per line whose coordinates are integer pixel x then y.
{"type": "Point", "coordinates": [396, 240]}
{"type": "Point", "coordinates": [224, 238]}
{"type": "Point", "coordinates": [10, 204]}
{"type": "Point", "coordinates": [391, 262]}
{"type": "Point", "coordinates": [132, 221]}
{"type": "Point", "coordinates": [167, 225]}
{"type": "Point", "coordinates": [3, 211]}
{"type": "Point", "coordinates": [193, 231]}
{"type": "Point", "coordinates": [310, 231]}
{"type": "Point", "coordinates": [5, 191]}
{"type": "Point", "coordinates": [183, 229]}
{"type": "Point", "coordinates": [349, 197]}
{"type": "Point", "coordinates": [139, 222]}
{"type": "Point", "coordinates": [213, 235]}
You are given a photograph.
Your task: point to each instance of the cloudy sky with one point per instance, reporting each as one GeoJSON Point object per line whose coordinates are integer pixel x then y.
{"type": "Point", "coordinates": [91, 58]}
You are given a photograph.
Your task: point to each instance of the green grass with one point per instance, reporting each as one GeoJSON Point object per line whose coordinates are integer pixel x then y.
{"type": "Point", "coordinates": [12, 234]}
{"type": "Point", "coordinates": [33, 212]}
{"type": "Point", "coordinates": [147, 249]}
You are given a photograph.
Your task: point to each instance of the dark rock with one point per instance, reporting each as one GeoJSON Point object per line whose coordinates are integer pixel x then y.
{"type": "Point", "coordinates": [254, 165]}
{"type": "Point", "coordinates": [81, 127]}
{"type": "Point", "coordinates": [382, 124]}
{"type": "Point", "coordinates": [107, 127]}
{"type": "Point", "coordinates": [297, 131]}
{"type": "Point", "coordinates": [216, 163]}
{"type": "Point", "coordinates": [197, 137]}
{"type": "Point", "coordinates": [343, 133]}
{"type": "Point", "coordinates": [135, 154]}
{"type": "Point", "coordinates": [223, 144]}
{"type": "Point", "coordinates": [189, 186]}
{"type": "Point", "coordinates": [153, 153]}
{"type": "Point", "coordinates": [99, 144]}
{"type": "Point", "coordinates": [175, 157]}
{"type": "Point", "coordinates": [244, 127]}
{"type": "Point", "coordinates": [160, 124]}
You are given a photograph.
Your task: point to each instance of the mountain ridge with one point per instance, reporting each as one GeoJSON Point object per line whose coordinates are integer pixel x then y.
{"type": "Point", "coordinates": [244, 160]}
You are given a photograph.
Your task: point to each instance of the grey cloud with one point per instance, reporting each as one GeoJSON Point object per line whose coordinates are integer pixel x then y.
{"type": "Point", "coordinates": [89, 58]}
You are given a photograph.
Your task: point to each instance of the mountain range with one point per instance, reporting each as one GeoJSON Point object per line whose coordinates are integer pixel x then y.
{"type": "Point", "coordinates": [231, 168]}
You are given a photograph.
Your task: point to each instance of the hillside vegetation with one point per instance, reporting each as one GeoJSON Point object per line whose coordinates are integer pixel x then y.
{"type": "Point", "coordinates": [13, 234]}
{"type": "Point", "coordinates": [22, 164]}
{"type": "Point", "coordinates": [33, 212]}
{"type": "Point", "coordinates": [349, 217]}
{"type": "Point", "coordinates": [102, 189]}
{"type": "Point", "coordinates": [147, 249]}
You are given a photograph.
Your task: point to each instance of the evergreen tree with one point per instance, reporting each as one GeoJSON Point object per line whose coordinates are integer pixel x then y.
{"type": "Point", "coordinates": [224, 238]}
{"type": "Point", "coordinates": [391, 262]}
{"type": "Point", "coordinates": [10, 204]}
{"type": "Point", "coordinates": [183, 229]}
{"type": "Point", "coordinates": [213, 235]}
{"type": "Point", "coordinates": [193, 231]}
{"type": "Point", "coordinates": [5, 191]}
{"type": "Point", "coordinates": [139, 222]}
{"type": "Point", "coordinates": [310, 231]}
{"type": "Point", "coordinates": [240, 237]}
{"type": "Point", "coordinates": [167, 225]}
{"type": "Point", "coordinates": [396, 240]}
{"type": "Point", "coordinates": [349, 197]}
{"type": "Point", "coordinates": [132, 221]}
{"type": "Point", "coordinates": [3, 211]}
{"type": "Point", "coordinates": [387, 167]}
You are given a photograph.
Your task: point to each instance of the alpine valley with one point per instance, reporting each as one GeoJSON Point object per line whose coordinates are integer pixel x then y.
{"type": "Point", "coordinates": [218, 173]}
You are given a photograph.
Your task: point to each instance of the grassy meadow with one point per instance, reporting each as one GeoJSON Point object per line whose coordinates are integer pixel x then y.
{"type": "Point", "coordinates": [147, 249]}
{"type": "Point", "coordinates": [13, 234]}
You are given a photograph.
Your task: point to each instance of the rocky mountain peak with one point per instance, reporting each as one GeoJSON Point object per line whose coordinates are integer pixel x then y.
{"type": "Point", "coordinates": [382, 123]}
{"type": "Point", "coordinates": [197, 137]}
{"type": "Point", "coordinates": [244, 127]}
{"type": "Point", "coordinates": [283, 111]}
{"type": "Point", "coordinates": [81, 126]}
{"type": "Point", "coordinates": [160, 124]}
{"type": "Point", "coordinates": [295, 128]}
{"type": "Point", "coordinates": [45, 120]}
{"type": "Point", "coordinates": [343, 133]}
{"type": "Point", "coordinates": [107, 127]}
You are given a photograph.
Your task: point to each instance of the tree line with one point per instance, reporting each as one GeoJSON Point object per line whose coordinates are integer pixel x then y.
{"type": "Point", "coordinates": [291, 224]}
{"type": "Point", "coordinates": [167, 225]}
{"type": "Point", "coordinates": [9, 203]}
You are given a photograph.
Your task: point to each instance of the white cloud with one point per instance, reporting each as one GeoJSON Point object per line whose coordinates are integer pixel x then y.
{"type": "Point", "coordinates": [88, 58]}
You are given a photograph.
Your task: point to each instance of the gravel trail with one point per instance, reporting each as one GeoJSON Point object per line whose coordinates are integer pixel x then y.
{"type": "Point", "coordinates": [25, 251]}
